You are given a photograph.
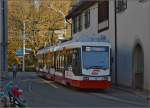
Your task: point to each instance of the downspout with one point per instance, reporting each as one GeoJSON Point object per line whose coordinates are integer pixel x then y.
{"type": "Point", "coordinates": [71, 27]}
{"type": "Point", "coordinates": [116, 50]}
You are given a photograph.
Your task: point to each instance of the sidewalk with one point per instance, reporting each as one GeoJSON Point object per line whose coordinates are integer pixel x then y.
{"type": "Point", "coordinates": [142, 97]}
{"type": "Point", "coordinates": [142, 93]}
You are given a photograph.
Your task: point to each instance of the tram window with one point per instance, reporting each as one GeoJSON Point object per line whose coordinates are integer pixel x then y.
{"type": "Point", "coordinates": [58, 66]}
{"type": "Point", "coordinates": [62, 63]}
{"type": "Point", "coordinates": [50, 60]}
{"type": "Point", "coordinates": [58, 63]}
{"type": "Point", "coordinates": [57, 58]}
{"type": "Point", "coordinates": [69, 58]}
{"type": "Point", "coordinates": [76, 61]}
{"type": "Point", "coordinates": [46, 60]}
{"type": "Point", "coordinates": [40, 65]}
{"type": "Point", "coordinates": [65, 60]}
{"type": "Point", "coordinates": [53, 60]}
{"type": "Point", "coordinates": [52, 66]}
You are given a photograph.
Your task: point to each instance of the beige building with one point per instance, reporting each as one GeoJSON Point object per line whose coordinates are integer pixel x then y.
{"type": "Point", "coordinates": [126, 23]}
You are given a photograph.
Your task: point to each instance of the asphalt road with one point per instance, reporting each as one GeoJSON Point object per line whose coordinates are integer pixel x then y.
{"type": "Point", "coordinates": [41, 93]}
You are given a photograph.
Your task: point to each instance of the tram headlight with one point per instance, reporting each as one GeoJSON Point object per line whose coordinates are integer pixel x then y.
{"type": "Point", "coordinates": [105, 78]}
{"type": "Point", "coordinates": [109, 78]}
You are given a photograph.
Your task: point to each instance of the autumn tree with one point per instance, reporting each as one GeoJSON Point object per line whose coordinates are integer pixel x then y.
{"type": "Point", "coordinates": [40, 23]}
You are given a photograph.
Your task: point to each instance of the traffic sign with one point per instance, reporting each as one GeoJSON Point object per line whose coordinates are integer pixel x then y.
{"type": "Point", "coordinates": [19, 53]}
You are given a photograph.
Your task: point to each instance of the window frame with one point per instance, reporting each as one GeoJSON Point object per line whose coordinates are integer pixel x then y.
{"type": "Point", "coordinates": [103, 18]}
{"type": "Point", "coordinates": [80, 21]}
{"type": "Point", "coordinates": [76, 62]}
{"type": "Point", "coordinates": [75, 25]}
{"type": "Point", "coordinates": [87, 16]}
{"type": "Point", "coordinates": [121, 5]}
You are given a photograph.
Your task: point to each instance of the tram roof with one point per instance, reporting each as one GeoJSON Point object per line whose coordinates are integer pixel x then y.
{"type": "Point", "coordinates": [76, 43]}
{"type": "Point", "coordinates": [45, 50]}
{"type": "Point", "coordinates": [79, 44]}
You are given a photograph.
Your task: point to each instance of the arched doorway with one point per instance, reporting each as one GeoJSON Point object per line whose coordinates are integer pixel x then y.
{"type": "Point", "coordinates": [138, 67]}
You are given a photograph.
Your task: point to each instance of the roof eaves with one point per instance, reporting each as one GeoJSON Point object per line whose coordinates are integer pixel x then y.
{"type": "Point", "coordinates": [81, 6]}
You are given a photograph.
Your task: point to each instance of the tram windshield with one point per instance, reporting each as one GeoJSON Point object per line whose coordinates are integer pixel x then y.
{"type": "Point", "coordinates": [95, 57]}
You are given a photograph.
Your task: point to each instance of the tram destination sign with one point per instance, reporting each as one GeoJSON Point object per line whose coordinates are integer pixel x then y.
{"type": "Point", "coordinates": [101, 49]}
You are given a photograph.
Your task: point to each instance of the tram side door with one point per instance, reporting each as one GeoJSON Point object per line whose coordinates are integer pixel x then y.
{"type": "Point", "coordinates": [76, 61]}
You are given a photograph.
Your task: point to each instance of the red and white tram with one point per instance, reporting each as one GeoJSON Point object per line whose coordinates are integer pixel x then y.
{"type": "Point", "coordinates": [77, 63]}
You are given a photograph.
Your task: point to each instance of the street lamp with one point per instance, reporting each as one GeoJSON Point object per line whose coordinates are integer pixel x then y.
{"type": "Point", "coordinates": [24, 44]}
{"type": "Point", "coordinates": [59, 11]}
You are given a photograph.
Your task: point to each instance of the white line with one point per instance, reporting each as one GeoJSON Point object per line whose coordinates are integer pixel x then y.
{"type": "Point", "coordinates": [50, 83]}
{"type": "Point", "coordinates": [53, 85]}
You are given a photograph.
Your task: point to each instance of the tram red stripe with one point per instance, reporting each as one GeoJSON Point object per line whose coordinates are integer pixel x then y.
{"type": "Point", "coordinates": [84, 84]}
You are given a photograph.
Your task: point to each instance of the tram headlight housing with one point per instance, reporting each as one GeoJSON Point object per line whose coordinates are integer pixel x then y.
{"type": "Point", "coordinates": [108, 78]}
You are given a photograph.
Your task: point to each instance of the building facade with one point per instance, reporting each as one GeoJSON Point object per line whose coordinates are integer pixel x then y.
{"type": "Point", "coordinates": [3, 37]}
{"type": "Point", "coordinates": [126, 24]}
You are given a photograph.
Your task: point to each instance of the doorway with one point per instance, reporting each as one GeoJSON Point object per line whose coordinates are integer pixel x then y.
{"type": "Point", "coordinates": [138, 67]}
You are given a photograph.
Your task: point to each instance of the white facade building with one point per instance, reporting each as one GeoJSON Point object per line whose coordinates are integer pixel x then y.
{"type": "Point", "coordinates": [126, 23]}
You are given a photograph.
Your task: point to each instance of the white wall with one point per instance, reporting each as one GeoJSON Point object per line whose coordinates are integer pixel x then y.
{"type": "Point", "coordinates": [133, 25]}
{"type": "Point", "coordinates": [93, 29]}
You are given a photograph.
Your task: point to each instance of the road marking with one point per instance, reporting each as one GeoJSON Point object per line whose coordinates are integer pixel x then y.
{"type": "Point", "coordinates": [119, 99]}
{"type": "Point", "coordinates": [53, 85]}
{"type": "Point", "coordinates": [50, 83]}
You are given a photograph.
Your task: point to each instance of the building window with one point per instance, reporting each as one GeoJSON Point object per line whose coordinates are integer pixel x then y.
{"type": "Point", "coordinates": [79, 22]}
{"type": "Point", "coordinates": [74, 24]}
{"type": "Point", "coordinates": [87, 18]}
{"type": "Point", "coordinates": [121, 5]}
{"type": "Point", "coordinates": [103, 15]}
